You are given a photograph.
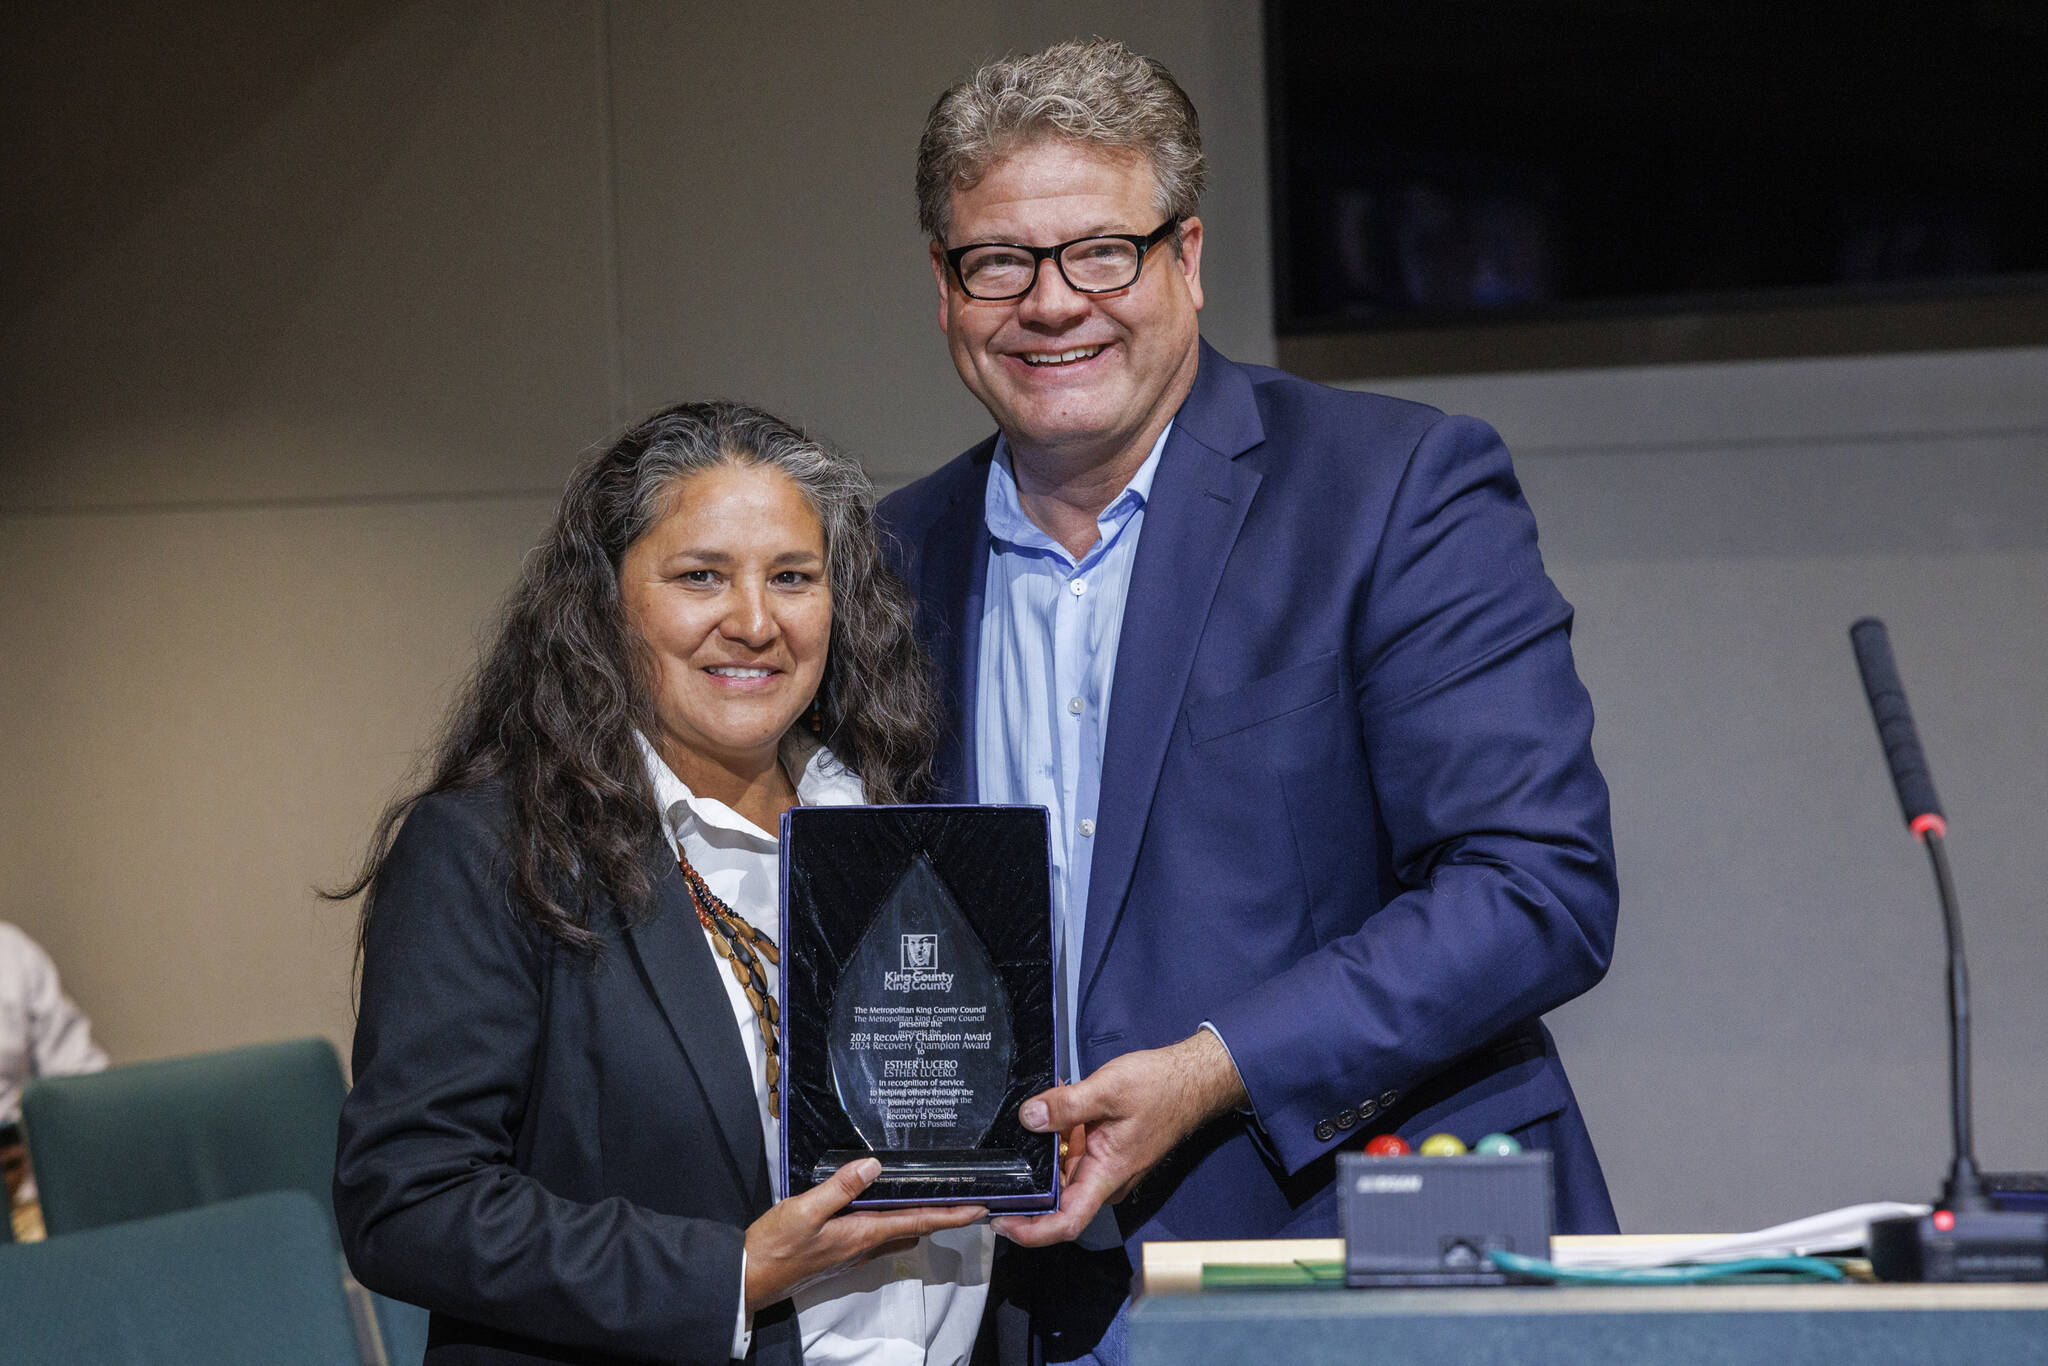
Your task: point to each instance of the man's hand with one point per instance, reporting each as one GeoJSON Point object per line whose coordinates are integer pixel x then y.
{"type": "Point", "coordinates": [1130, 1113]}
{"type": "Point", "coordinates": [806, 1236]}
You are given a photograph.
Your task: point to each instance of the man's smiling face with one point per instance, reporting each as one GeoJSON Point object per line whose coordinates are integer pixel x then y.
{"type": "Point", "coordinates": [1076, 381]}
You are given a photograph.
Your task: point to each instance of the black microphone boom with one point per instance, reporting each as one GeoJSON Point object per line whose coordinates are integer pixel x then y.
{"type": "Point", "coordinates": [1922, 809]}
{"type": "Point", "coordinates": [1968, 1239]}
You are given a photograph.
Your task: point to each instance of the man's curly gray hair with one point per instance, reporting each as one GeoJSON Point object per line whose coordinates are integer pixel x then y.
{"type": "Point", "coordinates": [1091, 91]}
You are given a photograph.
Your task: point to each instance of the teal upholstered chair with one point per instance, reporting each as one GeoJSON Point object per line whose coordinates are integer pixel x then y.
{"type": "Point", "coordinates": [150, 1138]}
{"type": "Point", "coordinates": [248, 1282]}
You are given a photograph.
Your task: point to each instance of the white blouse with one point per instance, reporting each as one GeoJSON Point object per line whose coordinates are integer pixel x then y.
{"type": "Point", "coordinates": [916, 1308]}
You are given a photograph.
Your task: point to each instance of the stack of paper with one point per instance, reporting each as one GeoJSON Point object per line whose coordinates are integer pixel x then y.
{"type": "Point", "coordinates": [1835, 1231]}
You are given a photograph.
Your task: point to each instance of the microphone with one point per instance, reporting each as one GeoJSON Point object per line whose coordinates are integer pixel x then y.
{"type": "Point", "coordinates": [1968, 1238]}
{"type": "Point", "coordinates": [1895, 729]}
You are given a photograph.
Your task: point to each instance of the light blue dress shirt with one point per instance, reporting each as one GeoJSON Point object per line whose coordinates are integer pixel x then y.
{"type": "Point", "coordinates": [1049, 632]}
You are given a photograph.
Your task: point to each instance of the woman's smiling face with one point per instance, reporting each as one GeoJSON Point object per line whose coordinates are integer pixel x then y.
{"type": "Point", "coordinates": [728, 593]}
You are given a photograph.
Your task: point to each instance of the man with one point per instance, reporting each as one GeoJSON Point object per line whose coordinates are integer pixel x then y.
{"type": "Point", "coordinates": [1283, 663]}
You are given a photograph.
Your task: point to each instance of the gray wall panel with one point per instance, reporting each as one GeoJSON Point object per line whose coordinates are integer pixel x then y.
{"type": "Point", "coordinates": [1771, 1037]}
{"type": "Point", "coordinates": [384, 278]}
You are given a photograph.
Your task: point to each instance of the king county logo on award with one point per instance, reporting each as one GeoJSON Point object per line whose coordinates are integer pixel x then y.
{"type": "Point", "coordinates": [920, 952]}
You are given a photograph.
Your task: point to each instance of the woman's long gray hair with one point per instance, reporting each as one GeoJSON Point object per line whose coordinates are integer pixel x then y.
{"type": "Point", "coordinates": [552, 710]}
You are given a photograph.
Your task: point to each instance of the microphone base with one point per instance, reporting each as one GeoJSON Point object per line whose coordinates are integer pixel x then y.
{"type": "Point", "coordinates": [1977, 1247]}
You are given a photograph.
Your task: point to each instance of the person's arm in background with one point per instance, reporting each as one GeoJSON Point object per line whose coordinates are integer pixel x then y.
{"type": "Point", "coordinates": [42, 1031]}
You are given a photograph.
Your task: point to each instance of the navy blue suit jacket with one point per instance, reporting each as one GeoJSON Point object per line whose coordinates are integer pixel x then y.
{"type": "Point", "coordinates": [1349, 810]}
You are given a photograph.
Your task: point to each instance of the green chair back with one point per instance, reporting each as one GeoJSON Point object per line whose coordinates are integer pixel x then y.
{"type": "Point", "coordinates": [249, 1282]}
{"type": "Point", "coordinates": [154, 1137]}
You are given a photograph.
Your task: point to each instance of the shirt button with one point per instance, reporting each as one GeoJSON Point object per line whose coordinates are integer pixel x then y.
{"type": "Point", "coordinates": [1078, 587]}
{"type": "Point", "coordinates": [1074, 705]}
{"type": "Point", "coordinates": [1087, 827]}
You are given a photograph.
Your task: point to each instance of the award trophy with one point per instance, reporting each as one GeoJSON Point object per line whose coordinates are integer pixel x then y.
{"type": "Point", "coordinates": [917, 1001]}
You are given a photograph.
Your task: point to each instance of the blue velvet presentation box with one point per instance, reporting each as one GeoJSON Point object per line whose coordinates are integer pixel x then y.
{"type": "Point", "coordinates": [919, 963]}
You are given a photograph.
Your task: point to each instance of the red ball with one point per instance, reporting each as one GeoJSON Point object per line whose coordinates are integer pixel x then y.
{"type": "Point", "coordinates": [1388, 1145]}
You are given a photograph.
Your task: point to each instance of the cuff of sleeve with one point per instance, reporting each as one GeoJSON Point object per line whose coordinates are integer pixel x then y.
{"type": "Point", "coordinates": [1247, 1109]}
{"type": "Point", "coordinates": [743, 1323]}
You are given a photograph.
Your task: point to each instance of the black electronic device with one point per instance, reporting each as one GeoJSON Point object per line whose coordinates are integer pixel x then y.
{"type": "Point", "coordinates": [1967, 1237]}
{"type": "Point", "coordinates": [1432, 1221]}
{"type": "Point", "coordinates": [2025, 1191]}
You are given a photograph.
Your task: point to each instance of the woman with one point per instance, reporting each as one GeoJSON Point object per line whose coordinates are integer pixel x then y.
{"type": "Point", "coordinates": [565, 1093]}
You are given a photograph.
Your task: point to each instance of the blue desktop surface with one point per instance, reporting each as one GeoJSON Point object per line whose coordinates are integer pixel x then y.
{"type": "Point", "coordinates": [1783, 1325]}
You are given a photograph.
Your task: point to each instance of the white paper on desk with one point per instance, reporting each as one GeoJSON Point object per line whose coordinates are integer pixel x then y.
{"type": "Point", "coordinates": [1835, 1231]}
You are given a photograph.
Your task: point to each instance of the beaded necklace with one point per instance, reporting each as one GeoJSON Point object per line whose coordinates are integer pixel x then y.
{"type": "Point", "coordinates": [742, 947]}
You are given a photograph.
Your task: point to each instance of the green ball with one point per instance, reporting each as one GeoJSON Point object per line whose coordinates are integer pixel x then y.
{"type": "Point", "coordinates": [1497, 1145]}
{"type": "Point", "coordinates": [1442, 1145]}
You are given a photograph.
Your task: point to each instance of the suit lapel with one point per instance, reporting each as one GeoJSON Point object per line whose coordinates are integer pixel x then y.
{"type": "Point", "coordinates": [1199, 500]}
{"type": "Point", "coordinates": [683, 975]}
{"type": "Point", "coordinates": [952, 579]}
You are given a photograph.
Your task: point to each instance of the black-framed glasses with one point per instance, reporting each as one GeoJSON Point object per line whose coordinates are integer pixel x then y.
{"type": "Point", "coordinates": [1104, 264]}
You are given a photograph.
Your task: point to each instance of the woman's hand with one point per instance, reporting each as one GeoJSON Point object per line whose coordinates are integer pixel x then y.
{"type": "Point", "coordinates": [806, 1235]}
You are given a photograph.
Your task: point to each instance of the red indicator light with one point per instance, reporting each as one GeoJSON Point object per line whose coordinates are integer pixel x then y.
{"type": "Point", "coordinates": [1944, 1220]}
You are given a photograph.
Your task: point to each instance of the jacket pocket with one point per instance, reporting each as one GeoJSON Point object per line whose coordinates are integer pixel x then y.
{"type": "Point", "coordinates": [1292, 689]}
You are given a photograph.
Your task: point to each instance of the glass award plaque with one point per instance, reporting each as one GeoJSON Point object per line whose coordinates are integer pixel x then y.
{"type": "Point", "coordinates": [917, 1001]}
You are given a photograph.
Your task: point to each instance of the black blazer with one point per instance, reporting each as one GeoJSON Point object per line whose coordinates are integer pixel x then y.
{"type": "Point", "coordinates": [557, 1156]}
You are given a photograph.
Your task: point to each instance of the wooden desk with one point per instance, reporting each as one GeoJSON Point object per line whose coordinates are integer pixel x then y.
{"type": "Point", "coordinates": [1174, 1324]}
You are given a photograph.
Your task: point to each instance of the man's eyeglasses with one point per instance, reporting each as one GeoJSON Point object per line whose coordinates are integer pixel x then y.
{"type": "Point", "coordinates": [993, 271]}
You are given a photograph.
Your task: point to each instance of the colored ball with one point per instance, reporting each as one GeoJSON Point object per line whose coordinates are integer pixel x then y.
{"type": "Point", "coordinates": [1442, 1145]}
{"type": "Point", "coordinates": [1497, 1145]}
{"type": "Point", "coordinates": [1388, 1145]}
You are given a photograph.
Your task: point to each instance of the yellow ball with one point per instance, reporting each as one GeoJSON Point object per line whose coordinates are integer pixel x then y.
{"type": "Point", "coordinates": [1442, 1145]}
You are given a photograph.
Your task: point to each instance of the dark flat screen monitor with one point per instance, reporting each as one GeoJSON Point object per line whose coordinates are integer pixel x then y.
{"type": "Point", "coordinates": [1469, 160]}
